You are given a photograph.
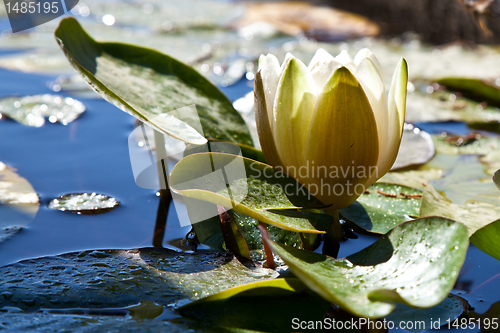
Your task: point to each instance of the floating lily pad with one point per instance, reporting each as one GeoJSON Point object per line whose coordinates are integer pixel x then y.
{"type": "Point", "coordinates": [417, 264]}
{"type": "Point", "coordinates": [157, 84]}
{"type": "Point", "coordinates": [467, 180]}
{"type": "Point", "coordinates": [423, 319]}
{"type": "Point", "coordinates": [32, 110]}
{"type": "Point", "coordinates": [266, 306]}
{"type": "Point", "coordinates": [496, 179]}
{"type": "Point", "coordinates": [478, 90]}
{"type": "Point", "coordinates": [416, 148]}
{"type": "Point", "coordinates": [417, 179]}
{"type": "Point", "coordinates": [383, 207]}
{"type": "Point", "coordinates": [84, 203]}
{"type": "Point", "coordinates": [473, 214]}
{"type": "Point", "coordinates": [112, 278]}
{"type": "Point", "coordinates": [487, 239]}
{"type": "Point", "coordinates": [438, 106]}
{"type": "Point", "coordinates": [248, 187]}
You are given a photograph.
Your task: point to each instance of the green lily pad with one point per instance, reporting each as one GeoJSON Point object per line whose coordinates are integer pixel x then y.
{"type": "Point", "coordinates": [473, 214]}
{"type": "Point", "coordinates": [417, 179]}
{"type": "Point", "coordinates": [478, 90]}
{"type": "Point", "coordinates": [383, 207]}
{"type": "Point", "coordinates": [270, 306]}
{"type": "Point", "coordinates": [416, 263]}
{"type": "Point", "coordinates": [115, 278]}
{"type": "Point", "coordinates": [496, 178]}
{"type": "Point", "coordinates": [227, 148]}
{"type": "Point", "coordinates": [431, 318]}
{"type": "Point", "coordinates": [444, 106]}
{"type": "Point", "coordinates": [487, 239]}
{"type": "Point", "coordinates": [467, 180]}
{"type": "Point", "coordinates": [249, 187]}
{"type": "Point", "coordinates": [157, 90]}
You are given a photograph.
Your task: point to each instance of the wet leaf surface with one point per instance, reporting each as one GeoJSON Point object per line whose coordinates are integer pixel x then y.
{"type": "Point", "coordinates": [84, 203]}
{"type": "Point", "coordinates": [267, 306]}
{"type": "Point", "coordinates": [416, 264]}
{"type": "Point", "coordinates": [32, 110]}
{"type": "Point", "coordinates": [158, 84]}
{"type": "Point", "coordinates": [113, 278]}
{"type": "Point", "coordinates": [383, 207]}
{"type": "Point", "coordinates": [248, 187]}
{"type": "Point", "coordinates": [449, 309]}
{"type": "Point", "coordinates": [487, 239]}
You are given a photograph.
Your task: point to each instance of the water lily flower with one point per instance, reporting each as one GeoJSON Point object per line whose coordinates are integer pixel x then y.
{"type": "Point", "coordinates": [330, 125]}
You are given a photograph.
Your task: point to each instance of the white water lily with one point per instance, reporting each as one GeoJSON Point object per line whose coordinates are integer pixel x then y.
{"type": "Point", "coordinates": [326, 123]}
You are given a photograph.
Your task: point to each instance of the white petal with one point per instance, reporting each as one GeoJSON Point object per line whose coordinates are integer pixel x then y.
{"type": "Point", "coordinates": [345, 60]}
{"type": "Point", "coordinates": [322, 66]}
{"type": "Point", "coordinates": [288, 56]}
{"type": "Point", "coordinates": [293, 110]}
{"type": "Point", "coordinates": [373, 85]}
{"type": "Point", "coordinates": [396, 116]}
{"type": "Point", "coordinates": [320, 57]}
{"type": "Point", "coordinates": [366, 53]}
{"type": "Point", "coordinates": [269, 67]}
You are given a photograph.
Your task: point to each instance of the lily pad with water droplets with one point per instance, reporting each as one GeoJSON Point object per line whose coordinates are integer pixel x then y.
{"type": "Point", "coordinates": [248, 187]}
{"type": "Point", "coordinates": [84, 203]}
{"type": "Point", "coordinates": [416, 264]}
{"type": "Point", "coordinates": [158, 87]}
{"type": "Point", "coordinates": [117, 278]}
{"type": "Point", "coordinates": [383, 206]}
{"type": "Point", "coordinates": [32, 110]}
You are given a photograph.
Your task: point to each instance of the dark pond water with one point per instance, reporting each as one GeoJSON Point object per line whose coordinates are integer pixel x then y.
{"type": "Point", "coordinates": [91, 155]}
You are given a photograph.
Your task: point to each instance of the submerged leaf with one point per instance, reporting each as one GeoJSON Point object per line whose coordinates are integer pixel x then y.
{"type": "Point", "coordinates": [157, 88]}
{"type": "Point", "coordinates": [416, 263]}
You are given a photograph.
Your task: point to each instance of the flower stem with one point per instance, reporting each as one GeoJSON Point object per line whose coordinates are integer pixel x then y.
{"type": "Point", "coordinates": [335, 231]}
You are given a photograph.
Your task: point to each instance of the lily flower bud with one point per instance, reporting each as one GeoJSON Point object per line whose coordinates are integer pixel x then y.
{"type": "Point", "coordinates": [330, 125]}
